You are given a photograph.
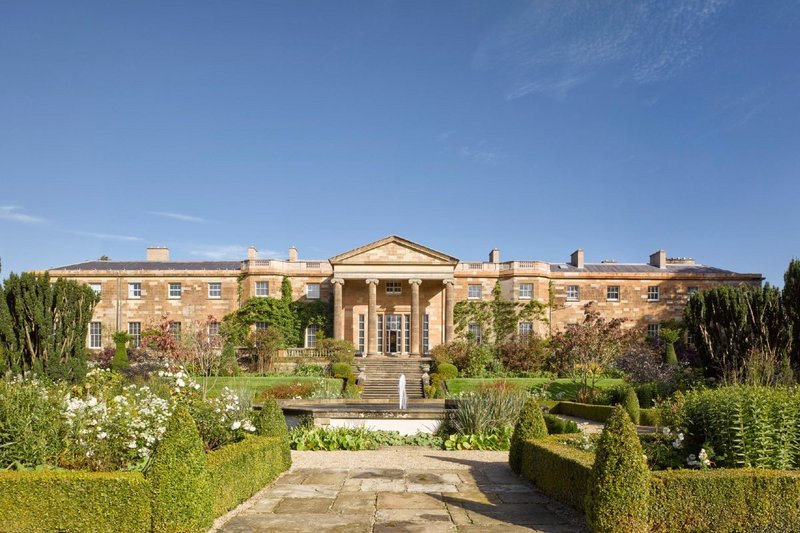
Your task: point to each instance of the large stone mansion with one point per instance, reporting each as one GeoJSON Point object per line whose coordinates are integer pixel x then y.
{"type": "Point", "coordinates": [392, 295]}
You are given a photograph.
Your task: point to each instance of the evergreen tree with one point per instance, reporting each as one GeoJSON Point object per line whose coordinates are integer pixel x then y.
{"type": "Point", "coordinates": [791, 299]}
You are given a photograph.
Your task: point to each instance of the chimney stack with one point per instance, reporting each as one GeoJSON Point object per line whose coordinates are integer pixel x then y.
{"type": "Point", "coordinates": [158, 253]}
{"type": "Point", "coordinates": [576, 259]}
{"type": "Point", "coordinates": [494, 256]}
{"type": "Point", "coordinates": [292, 254]}
{"type": "Point", "coordinates": [252, 253]}
{"type": "Point", "coordinates": [659, 259]}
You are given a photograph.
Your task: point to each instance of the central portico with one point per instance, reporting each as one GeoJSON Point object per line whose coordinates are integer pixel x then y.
{"type": "Point", "coordinates": [393, 296]}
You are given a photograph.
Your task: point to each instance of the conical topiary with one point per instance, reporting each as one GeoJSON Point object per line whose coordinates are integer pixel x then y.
{"type": "Point", "coordinates": [270, 422]}
{"type": "Point", "coordinates": [619, 486]}
{"type": "Point", "coordinates": [631, 405]}
{"type": "Point", "coordinates": [181, 487]}
{"type": "Point", "coordinates": [530, 425]}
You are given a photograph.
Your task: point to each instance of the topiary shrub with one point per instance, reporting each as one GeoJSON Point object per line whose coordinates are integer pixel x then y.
{"type": "Point", "coordinates": [181, 487]}
{"type": "Point", "coordinates": [120, 360]}
{"type": "Point", "coordinates": [447, 370]}
{"type": "Point", "coordinates": [270, 422]}
{"type": "Point", "coordinates": [619, 487]}
{"type": "Point", "coordinates": [631, 405]}
{"type": "Point", "coordinates": [530, 425]}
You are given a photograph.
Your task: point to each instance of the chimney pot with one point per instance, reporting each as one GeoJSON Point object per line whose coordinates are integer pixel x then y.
{"type": "Point", "coordinates": [158, 253]}
{"type": "Point", "coordinates": [576, 259]}
{"type": "Point", "coordinates": [659, 259]}
{"type": "Point", "coordinates": [292, 254]}
{"type": "Point", "coordinates": [494, 256]}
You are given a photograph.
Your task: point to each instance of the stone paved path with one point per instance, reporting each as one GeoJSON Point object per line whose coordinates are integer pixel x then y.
{"type": "Point", "coordinates": [406, 489]}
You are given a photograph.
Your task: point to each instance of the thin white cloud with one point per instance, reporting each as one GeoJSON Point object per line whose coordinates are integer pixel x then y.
{"type": "Point", "coordinates": [178, 216]}
{"type": "Point", "coordinates": [13, 212]}
{"type": "Point", "coordinates": [105, 236]}
{"type": "Point", "coordinates": [479, 152]}
{"type": "Point", "coordinates": [229, 251]}
{"type": "Point", "coordinates": [553, 46]}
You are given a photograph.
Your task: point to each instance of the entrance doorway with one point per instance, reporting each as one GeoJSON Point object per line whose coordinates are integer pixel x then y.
{"type": "Point", "coordinates": [394, 331]}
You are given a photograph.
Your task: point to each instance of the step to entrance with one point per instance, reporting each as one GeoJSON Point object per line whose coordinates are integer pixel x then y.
{"type": "Point", "coordinates": [383, 377]}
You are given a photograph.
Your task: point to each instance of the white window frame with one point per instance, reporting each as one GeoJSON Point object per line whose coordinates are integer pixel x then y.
{"type": "Point", "coordinates": [134, 290]}
{"type": "Point", "coordinates": [97, 288]}
{"type": "Point", "coordinates": [262, 289]}
{"type": "Point", "coordinates": [311, 335]}
{"type": "Point", "coordinates": [171, 294]}
{"type": "Point", "coordinates": [475, 291]}
{"type": "Point", "coordinates": [573, 293]}
{"type": "Point", "coordinates": [609, 289]}
{"type": "Point", "coordinates": [475, 329]}
{"type": "Point", "coordinates": [135, 331]}
{"type": "Point", "coordinates": [313, 291]}
{"type": "Point", "coordinates": [261, 326]}
{"type": "Point", "coordinates": [525, 291]}
{"type": "Point", "coordinates": [215, 293]}
{"type": "Point", "coordinates": [213, 329]}
{"type": "Point", "coordinates": [653, 293]}
{"type": "Point", "coordinates": [174, 329]}
{"type": "Point", "coordinates": [394, 288]}
{"type": "Point", "coordinates": [525, 328]}
{"type": "Point", "coordinates": [95, 335]}
{"type": "Point", "coordinates": [653, 330]}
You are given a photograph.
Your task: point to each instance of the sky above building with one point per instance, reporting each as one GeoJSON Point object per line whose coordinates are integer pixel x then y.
{"type": "Point", "coordinates": [536, 127]}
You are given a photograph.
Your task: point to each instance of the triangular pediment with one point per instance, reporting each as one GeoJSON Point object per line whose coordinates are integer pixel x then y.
{"type": "Point", "coordinates": [393, 250]}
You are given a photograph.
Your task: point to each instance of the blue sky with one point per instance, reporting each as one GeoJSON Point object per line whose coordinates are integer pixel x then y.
{"type": "Point", "coordinates": [536, 127]}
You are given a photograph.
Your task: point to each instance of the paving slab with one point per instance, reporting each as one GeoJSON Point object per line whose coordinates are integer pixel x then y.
{"type": "Point", "coordinates": [426, 490]}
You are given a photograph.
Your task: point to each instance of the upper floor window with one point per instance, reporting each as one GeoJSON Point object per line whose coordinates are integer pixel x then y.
{"type": "Point", "coordinates": [262, 288]}
{"type": "Point", "coordinates": [311, 336]}
{"type": "Point", "coordinates": [135, 331]}
{"type": "Point", "coordinates": [96, 287]}
{"type": "Point", "coordinates": [215, 289]}
{"type": "Point", "coordinates": [312, 291]}
{"type": "Point", "coordinates": [525, 328]}
{"type": "Point", "coordinates": [394, 288]}
{"type": "Point", "coordinates": [261, 326]}
{"type": "Point", "coordinates": [612, 293]}
{"type": "Point", "coordinates": [653, 330]}
{"type": "Point", "coordinates": [573, 293]}
{"type": "Point", "coordinates": [95, 335]}
{"type": "Point", "coordinates": [652, 294]}
{"type": "Point", "coordinates": [474, 292]}
{"type": "Point", "coordinates": [134, 290]}
{"type": "Point", "coordinates": [526, 291]}
{"type": "Point", "coordinates": [475, 332]}
{"type": "Point", "coordinates": [174, 290]}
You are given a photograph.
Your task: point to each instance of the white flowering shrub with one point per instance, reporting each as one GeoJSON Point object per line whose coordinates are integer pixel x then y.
{"type": "Point", "coordinates": [222, 420]}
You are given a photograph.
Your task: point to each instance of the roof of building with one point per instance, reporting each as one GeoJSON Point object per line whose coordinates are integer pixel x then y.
{"type": "Point", "coordinates": [638, 268]}
{"type": "Point", "coordinates": [154, 265]}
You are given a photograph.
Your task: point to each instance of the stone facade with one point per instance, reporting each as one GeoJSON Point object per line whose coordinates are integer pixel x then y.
{"type": "Point", "coordinates": [392, 295]}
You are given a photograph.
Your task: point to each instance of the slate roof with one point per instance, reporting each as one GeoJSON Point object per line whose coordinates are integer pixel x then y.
{"type": "Point", "coordinates": [619, 268]}
{"type": "Point", "coordinates": [154, 265]}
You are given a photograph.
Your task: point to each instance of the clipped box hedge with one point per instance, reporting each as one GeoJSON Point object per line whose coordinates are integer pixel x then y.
{"type": "Point", "coordinates": [32, 501]}
{"type": "Point", "coordinates": [682, 501]}
{"type": "Point", "coordinates": [560, 471]}
{"type": "Point", "coordinates": [600, 413]}
{"type": "Point", "coordinates": [240, 470]}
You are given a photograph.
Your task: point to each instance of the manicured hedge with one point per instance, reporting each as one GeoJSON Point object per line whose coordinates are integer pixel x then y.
{"type": "Point", "coordinates": [560, 471]}
{"type": "Point", "coordinates": [558, 426]}
{"type": "Point", "coordinates": [599, 413]}
{"type": "Point", "coordinates": [240, 470]}
{"type": "Point", "coordinates": [74, 501]}
{"type": "Point", "coordinates": [725, 500]}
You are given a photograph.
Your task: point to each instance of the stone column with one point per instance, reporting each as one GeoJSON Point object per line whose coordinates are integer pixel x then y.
{"type": "Point", "coordinates": [372, 318]}
{"type": "Point", "coordinates": [449, 306]}
{"type": "Point", "coordinates": [416, 338]}
{"type": "Point", "coordinates": [338, 309]}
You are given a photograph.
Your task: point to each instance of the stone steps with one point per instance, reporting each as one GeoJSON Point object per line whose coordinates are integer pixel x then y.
{"type": "Point", "coordinates": [383, 376]}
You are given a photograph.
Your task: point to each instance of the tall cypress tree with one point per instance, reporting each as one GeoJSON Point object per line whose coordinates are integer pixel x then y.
{"type": "Point", "coordinates": [791, 299]}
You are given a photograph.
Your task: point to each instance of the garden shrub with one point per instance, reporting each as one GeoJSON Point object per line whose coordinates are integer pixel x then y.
{"type": "Point", "coordinates": [311, 370]}
{"type": "Point", "coordinates": [179, 478]}
{"type": "Point", "coordinates": [558, 426]}
{"type": "Point", "coordinates": [631, 405]}
{"type": "Point", "coordinates": [40, 501]}
{"type": "Point", "coordinates": [270, 422]}
{"type": "Point", "coordinates": [599, 413]}
{"type": "Point", "coordinates": [486, 410]}
{"type": "Point", "coordinates": [650, 417]}
{"type": "Point", "coordinates": [745, 426]}
{"type": "Point", "coordinates": [239, 470]}
{"type": "Point", "coordinates": [339, 350]}
{"type": "Point", "coordinates": [559, 471]}
{"type": "Point", "coordinates": [120, 361]}
{"type": "Point", "coordinates": [530, 425]}
{"type": "Point", "coordinates": [447, 371]}
{"type": "Point", "coordinates": [619, 486]}
{"type": "Point", "coordinates": [342, 371]}
{"type": "Point", "coordinates": [30, 424]}
{"type": "Point", "coordinates": [287, 391]}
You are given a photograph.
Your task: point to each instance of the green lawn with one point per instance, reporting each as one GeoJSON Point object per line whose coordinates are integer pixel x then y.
{"type": "Point", "coordinates": [255, 384]}
{"type": "Point", "coordinates": [565, 386]}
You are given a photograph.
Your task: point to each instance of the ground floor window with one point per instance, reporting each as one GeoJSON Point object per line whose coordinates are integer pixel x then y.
{"type": "Point", "coordinates": [95, 335]}
{"type": "Point", "coordinates": [407, 333]}
{"type": "Point", "coordinates": [175, 330]}
{"type": "Point", "coordinates": [311, 336]}
{"type": "Point", "coordinates": [425, 335]}
{"type": "Point", "coordinates": [475, 331]}
{"type": "Point", "coordinates": [135, 331]}
{"type": "Point", "coordinates": [380, 333]}
{"type": "Point", "coordinates": [361, 334]}
{"type": "Point", "coordinates": [653, 330]}
{"type": "Point", "coordinates": [525, 328]}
